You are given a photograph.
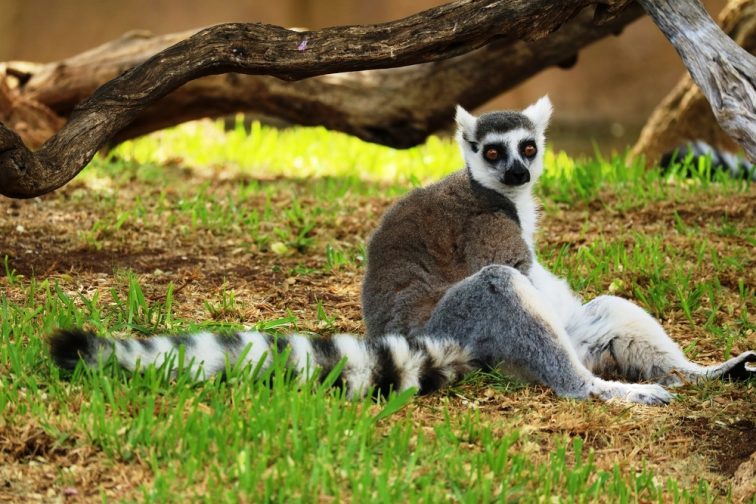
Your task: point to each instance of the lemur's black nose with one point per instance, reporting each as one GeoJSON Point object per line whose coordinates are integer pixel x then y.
{"type": "Point", "coordinates": [517, 175]}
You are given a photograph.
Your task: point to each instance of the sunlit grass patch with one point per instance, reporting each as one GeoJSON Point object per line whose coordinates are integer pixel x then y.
{"type": "Point", "coordinates": [316, 153]}
{"type": "Point", "coordinates": [298, 152]}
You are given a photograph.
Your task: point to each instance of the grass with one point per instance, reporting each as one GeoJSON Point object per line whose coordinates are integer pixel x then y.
{"type": "Point", "coordinates": [195, 228]}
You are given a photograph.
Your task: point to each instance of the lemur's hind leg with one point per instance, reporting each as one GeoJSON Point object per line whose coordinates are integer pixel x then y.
{"type": "Point", "coordinates": [498, 315]}
{"type": "Point", "coordinates": [611, 334]}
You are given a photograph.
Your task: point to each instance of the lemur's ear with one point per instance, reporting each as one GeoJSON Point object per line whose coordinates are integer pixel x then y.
{"type": "Point", "coordinates": [540, 113]}
{"type": "Point", "coordinates": [465, 123]}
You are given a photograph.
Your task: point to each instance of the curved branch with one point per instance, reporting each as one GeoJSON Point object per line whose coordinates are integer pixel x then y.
{"type": "Point", "coordinates": [439, 33]}
{"type": "Point", "coordinates": [398, 107]}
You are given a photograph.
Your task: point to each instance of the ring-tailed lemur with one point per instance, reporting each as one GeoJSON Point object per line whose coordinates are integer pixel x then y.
{"type": "Point", "coordinates": [457, 260]}
{"type": "Point", "coordinates": [452, 284]}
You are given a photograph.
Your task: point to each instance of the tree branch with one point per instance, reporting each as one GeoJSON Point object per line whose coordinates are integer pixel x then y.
{"type": "Point", "coordinates": [396, 107]}
{"type": "Point", "coordinates": [439, 33]}
{"type": "Point", "coordinates": [725, 72]}
{"type": "Point", "coordinates": [684, 115]}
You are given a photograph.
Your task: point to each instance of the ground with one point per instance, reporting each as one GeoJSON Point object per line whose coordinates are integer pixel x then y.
{"type": "Point", "coordinates": [133, 248]}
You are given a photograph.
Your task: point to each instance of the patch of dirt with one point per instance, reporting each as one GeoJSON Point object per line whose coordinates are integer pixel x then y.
{"type": "Point", "coordinates": [27, 443]}
{"type": "Point", "coordinates": [34, 467]}
{"type": "Point", "coordinates": [744, 482]}
{"type": "Point", "coordinates": [730, 444]}
{"type": "Point", "coordinates": [39, 260]}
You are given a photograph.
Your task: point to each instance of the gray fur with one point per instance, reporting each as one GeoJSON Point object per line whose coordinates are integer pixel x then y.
{"type": "Point", "coordinates": [501, 122]}
{"type": "Point", "coordinates": [509, 337]}
{"type": "Point", "coordinates": [521, 340]}
{"type": "Point", "coordinates": [428, 241]}
{"type": "Point", "coordinates": [616, 337]}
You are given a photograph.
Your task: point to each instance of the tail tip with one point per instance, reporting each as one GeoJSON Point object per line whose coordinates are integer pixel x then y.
{"type": "Point", "coordinates": [69, 346]}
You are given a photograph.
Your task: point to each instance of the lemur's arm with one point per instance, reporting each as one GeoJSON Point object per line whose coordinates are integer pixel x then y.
{"type": "Point", "coordinates": [493, 239]}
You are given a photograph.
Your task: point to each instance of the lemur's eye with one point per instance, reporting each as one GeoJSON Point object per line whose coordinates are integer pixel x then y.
{"type": "Point", "coordinates": [529, 150]}
{"type": "Point", "coordinates": [492, 154]}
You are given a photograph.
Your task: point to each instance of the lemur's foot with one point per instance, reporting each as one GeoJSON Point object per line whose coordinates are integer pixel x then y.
{"type": "Point", "coordinates": [738, 368]}
{"type": "Point", "coordinates": [651, 394]}
{"type": "Point", "coordinates": [640, 393]}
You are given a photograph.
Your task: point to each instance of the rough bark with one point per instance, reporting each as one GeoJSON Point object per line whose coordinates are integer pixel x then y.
{"type": "Point", "coordinates": [396, 107]}
{"type": "Point", "coordinates": [435, 34]}
{"type": "Point", "coordinates": [725, 72]}
{"type": "Point", "coordinates": [684, 114]}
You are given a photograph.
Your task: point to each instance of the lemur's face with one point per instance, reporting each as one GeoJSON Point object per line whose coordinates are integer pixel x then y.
{"type": "Point", "coordinates": [504, 150]}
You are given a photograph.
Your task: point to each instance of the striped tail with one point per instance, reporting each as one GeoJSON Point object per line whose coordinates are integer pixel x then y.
{"type": "Point", "coordinates": [383, 364]}
{"type": "Point", "coordinates": [736, 166]}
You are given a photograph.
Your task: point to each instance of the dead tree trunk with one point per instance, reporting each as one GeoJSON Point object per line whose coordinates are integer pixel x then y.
{"type": "Point", "coordinates": [440, 33]}
{"type": "Point", "coordinates": [684, 114]}
{"type": "Point", "coordinates": [725, 72]}
{"type": "Point", "coordinates": [397, 107]}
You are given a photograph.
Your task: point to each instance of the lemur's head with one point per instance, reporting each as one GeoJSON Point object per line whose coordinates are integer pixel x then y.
{"type": "Point", "coordinates": [504, 150]}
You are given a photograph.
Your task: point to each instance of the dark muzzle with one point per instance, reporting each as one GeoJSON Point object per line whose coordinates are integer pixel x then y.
{"type": "Point", "coordinates": [516, 175]}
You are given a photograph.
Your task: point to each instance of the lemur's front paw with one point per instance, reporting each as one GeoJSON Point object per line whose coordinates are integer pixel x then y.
{"type": "Point", "coordinates": [738, 368]}
{"type": "Point", "coordinates": [639, 393]}
{"type": "Point", "coordinates": [651, 394]}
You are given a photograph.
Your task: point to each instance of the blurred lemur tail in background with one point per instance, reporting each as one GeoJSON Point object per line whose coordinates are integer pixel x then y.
{"type": "Point", "coordinates": [380, 364]}
{"type": "Point", "coordinates": [721, 161]}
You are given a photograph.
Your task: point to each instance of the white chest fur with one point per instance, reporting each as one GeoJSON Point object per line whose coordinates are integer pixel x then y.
{"type": "Point", "coordinates": [527, 212]}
